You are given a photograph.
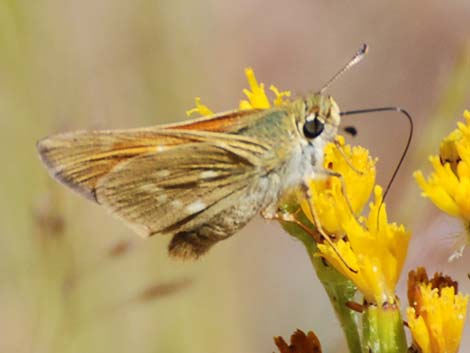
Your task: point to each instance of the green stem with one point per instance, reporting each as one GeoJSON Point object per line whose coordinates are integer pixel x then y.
{"type": "Point", "coordinates": [383, 330]}
{"type": "Point", "coordinates": [340, 290]}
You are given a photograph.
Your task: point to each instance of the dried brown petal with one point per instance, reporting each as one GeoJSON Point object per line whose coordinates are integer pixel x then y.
{"type": "Point", "coordinates": [414, 279]}
{"type": "Point", "coordinates": [299, 343]}
{"type": "Point", "coordinates": [440, 281]}
{"type": "Point", "coordinates": [419, 277]}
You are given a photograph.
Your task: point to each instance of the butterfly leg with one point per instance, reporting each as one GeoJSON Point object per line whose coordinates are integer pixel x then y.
{"type": "Point", "coordinates": [291, 218]}
{"type": "Point", "coordinates": [326, 237]}
{"type": "Point", "coordinates": [271, 212]}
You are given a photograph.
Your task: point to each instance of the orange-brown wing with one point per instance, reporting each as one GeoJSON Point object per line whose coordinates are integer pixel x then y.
{"type": "Point", "coordinates": [79, 159]}
{"type": "Point", "coordinates": [161, 180]}
{"type": "Point", "coordinates": [227, 122]}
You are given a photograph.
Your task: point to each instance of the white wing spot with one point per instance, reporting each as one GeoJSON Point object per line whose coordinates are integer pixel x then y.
{"type": "Point", "coordinates": [176, 204]}
{"type": "Point", "coordinates": [163, 173]}
{"type": "Point", "coordinates": [149, 188]}
{"type": "Point", "coordinates": [160, 148]}
{"type": "Point", "coordinates": [208, 174]}
{"type": "Point", "coordinates": [162, 198]}
{"type": "Point", "coordinates": [195, 207]}
{"type": "Point", "coordinates": [141, 229]}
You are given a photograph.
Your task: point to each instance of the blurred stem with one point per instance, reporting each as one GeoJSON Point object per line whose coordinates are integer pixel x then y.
{"type": "Point", "coordinates": [383, 330]}
{"type": "Point", "coordinates": [340, 290]}
{"type": "Point", "coordinates": [455, 95]}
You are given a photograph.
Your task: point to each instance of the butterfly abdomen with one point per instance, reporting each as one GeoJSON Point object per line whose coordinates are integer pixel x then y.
{"type": "Point", "coordinates": [192, 243]}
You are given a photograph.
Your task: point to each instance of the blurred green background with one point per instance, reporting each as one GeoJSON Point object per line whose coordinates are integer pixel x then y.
{"type": "Point", "coordinates": [72, 279]}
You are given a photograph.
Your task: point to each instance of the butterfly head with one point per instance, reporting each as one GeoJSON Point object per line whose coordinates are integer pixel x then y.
{"type": "Point", "coordinates": [321, 118]}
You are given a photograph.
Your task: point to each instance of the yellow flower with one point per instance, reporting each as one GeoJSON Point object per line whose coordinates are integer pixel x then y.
{"type": "Point", "coordinates": [436, 315]}
{"type": "Point", "coordinates": [375, 248]}
{"type": "Point", "coordinates": [257, 98]}
{"type": "Point", "coordinates": [448, 187]}
{"type": "Point", "coordinates": [372, 247]}
{"type": "Point", "coordinates": [357, 170]}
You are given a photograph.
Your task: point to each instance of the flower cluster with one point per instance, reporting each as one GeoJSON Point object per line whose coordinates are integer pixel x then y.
{"type": "Point", "coordinates": [437, 312]}
{"type": "Point", "coordinates": [448, 186]}
{"type": "Point", "coordinates": [373, 247]}
{"type": "Point", "coordinates": [256, 97]}
{"type": "Point", "coordinates": [368, 250]}
{"type": "Point", "coordinates": [351, 191]}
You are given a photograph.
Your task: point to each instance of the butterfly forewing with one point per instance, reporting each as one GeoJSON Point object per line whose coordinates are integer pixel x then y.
{"type": "Point", "coordinates": [79, 159]}
{"type": "Point", "coordinates": [158, 179]}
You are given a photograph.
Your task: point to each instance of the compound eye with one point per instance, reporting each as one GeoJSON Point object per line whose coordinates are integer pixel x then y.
{"type": "Point", "coordinates": [313, 128]}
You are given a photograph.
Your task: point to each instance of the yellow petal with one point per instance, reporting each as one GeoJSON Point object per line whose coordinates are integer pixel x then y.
{"type": "Point", "coordinates": [199, 109]}
{"type": "Point", "coordinates": [437, 314]}
{"type": "Point", "coordinates": [433, 190]}
{"type": "Point", "coordinates": [448, 186]}
{"type": "Point", "coordinates": [279, 100]}
{"type": "Point", "coordinates": [256, 95]}
{"type": "Point", "coordinates": [420, 331]}
{"type": "Point", "coordinates": [357, 170]}
{"type": "Point", "coordinates": [375, 248]}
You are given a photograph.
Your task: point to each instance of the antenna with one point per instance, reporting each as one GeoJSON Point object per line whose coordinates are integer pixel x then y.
{"type": "Point", "coordinates": [354, 60]}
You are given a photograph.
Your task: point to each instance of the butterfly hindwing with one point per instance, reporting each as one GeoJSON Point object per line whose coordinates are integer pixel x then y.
{"type": "Point", "coordinates": [176, 189]}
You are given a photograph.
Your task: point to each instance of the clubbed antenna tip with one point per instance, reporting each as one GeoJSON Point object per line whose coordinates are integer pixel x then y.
{"type": "Point", "coordinates": [354, 60]}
